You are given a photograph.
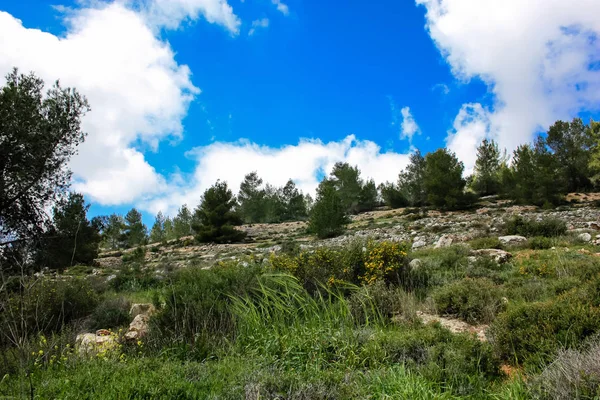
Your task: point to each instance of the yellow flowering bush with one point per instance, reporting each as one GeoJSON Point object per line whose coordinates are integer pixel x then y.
{"type": "Point", "coordinates": [385, 261]}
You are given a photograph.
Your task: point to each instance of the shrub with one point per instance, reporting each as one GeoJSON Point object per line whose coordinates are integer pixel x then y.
{"type": "Point", "coordinates": [196, 313]}
{"type": "Point", "coordinates": [387, 302]}
{"type": "Point", "coordinates": [45, 306]}
{"type": "Point", "coordinates": [549, 227]}
{"type": "Point", "coordinates": [485, 243]}
{"type": "Point", "coordinates": [110, 313]}
{"type": "Point", "coordinates": [531, 333]}
{"type": "Point", "coordinates": [572, 375]}
{"type": "Point", "coordinates": [328, 216]}
{"type": "Point", "coordinates": [388, 262]}
{"type": "Point", "coordinates": [540, 243]}
{"type": "Point", "coordinates": [473, 300]}
{"type": "Point", "coordinates": [133, 278]}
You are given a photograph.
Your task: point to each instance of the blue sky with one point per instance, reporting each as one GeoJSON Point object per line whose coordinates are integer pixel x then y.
{"type": "Point", "coordinates": [244, 82]}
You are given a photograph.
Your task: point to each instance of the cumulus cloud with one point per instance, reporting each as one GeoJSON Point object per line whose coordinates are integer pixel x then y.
{"type": "Point", "coordinates": [408, 127]}
{"type": "Point", "coordinates": [538, 57]}
{"type": "Point", "coordinates": [138, 92]}
{"type": "Point", "coordinates": [281, 7]}
{"type": "Point", "coordinates": [259, 23]}
{"type": "Point", "coordinates": [303, 163]}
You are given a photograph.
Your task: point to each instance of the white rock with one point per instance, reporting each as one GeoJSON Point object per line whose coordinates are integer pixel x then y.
{"type": "Point", "coordinates": [415, 264]}
{"type": "Point", "coordinates": [142, 308]}
{"type": "Point", "coordinates": [584, 237]}
{"type": "Point", "coordinates": [417, 244]}
{"type": "Point", "coordinates": [443, 241]}
{"type": "Point", "coordinates": [512, 239]}
{"type": "Point", "coordinates": [500, 256]}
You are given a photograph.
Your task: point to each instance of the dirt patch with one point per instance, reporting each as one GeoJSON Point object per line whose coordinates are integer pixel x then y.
{"type": "Point", "coordinates": [455, 325]}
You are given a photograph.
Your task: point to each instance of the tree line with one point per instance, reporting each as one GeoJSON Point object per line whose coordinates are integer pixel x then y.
{"type": "Point", "coordinates": [39, 132]}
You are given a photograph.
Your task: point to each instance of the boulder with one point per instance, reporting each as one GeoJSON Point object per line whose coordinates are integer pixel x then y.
{"type": "Point", "coordinates": [418, 243]}
{"type": "Point", "coordinates": [443, 241]}
{"type": "Point", "coordinates": [138, 327]}
{"type": "Point", "coordinates": [89, 344]}
{"type": "Point", "coordinates": [415, 264]}
{"type": "Point", "coordinates": [142, 308]}
{"type": "Point", "coordinates": [500, 256]}
{"type": "Point", "coordinates": [584, 237]}
{"type": "Point", "coordinates": [512, 239]}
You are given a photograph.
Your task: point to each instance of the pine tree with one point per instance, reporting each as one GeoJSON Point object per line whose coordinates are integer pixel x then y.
{"type": "Point", "coordinates": [392, 195]}
{"type": "Point", "coordinates": [412, 180]}
{"type": "Point", "coordinates": [113, 233]}
{"type": "Point", "coordinates": [182, 223]}
{"type": "Point", "coordinates": [157, 233]}
{"type": "Point", "coordinates": [328, 216]}
{"type": "Point", "coordinates": [294, 202]}
{"type": "Point", "coordinates": [72, 239]}
{"type": "Point", "coordinates": [486, 180]}
{"type": "Point", "coordinates": [135, 230]}
{"type": "Point", "coordinates": [169, 230]}
{"type": "Point", "coordinates": [443, 179]}
{"type": "Point", "coordinates": [251, 199]}
{"type": "Point", "coordinates": [347, 182]}
{"type": "Point", "coordinates": [216, 216]}
{"type": "Point", "coordinates": [367, 200]}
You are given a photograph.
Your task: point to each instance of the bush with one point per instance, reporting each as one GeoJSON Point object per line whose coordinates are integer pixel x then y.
{"type": "Point", "coordinates": [473, 300]}
{"type": "Point", "coordinates": [540, 243]}
{"type": "Point", "coordinates": [133, 278]}
{"type": "Point", "coordinates": [110, 313]}
{"type": "Point", "coordinates": [387, 302]}
{"type": "Point", "coordinates": [572, 375]}
{"type": "Point", "coordinates": [549, 227]}
{"type": "Point", "coordinates": [485, 243]}
{"type": "Point", "coordinates": [531, 333]}
{"type": "Point", "coordinates": [196, 313]}
{"type": "Point", "coordinates": [328, 216]}
{"type": "Point", "coordinates": [45, 306]}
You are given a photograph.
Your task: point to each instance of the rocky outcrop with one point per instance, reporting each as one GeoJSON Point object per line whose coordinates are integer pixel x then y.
{"type": "Point", "coordinates": [500, 256]}
{"type": "Point", "coordinates": [89, 344]}
{"type": "Point", "coordinates": [512, 239]}
{"type": "Point", "coordinates": [141, 317]}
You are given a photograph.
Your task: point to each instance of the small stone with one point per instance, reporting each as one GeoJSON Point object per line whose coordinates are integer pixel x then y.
{"type": "Point", "coordinates": [512, 239]}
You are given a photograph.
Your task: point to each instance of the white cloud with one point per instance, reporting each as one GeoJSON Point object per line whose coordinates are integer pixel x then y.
{"type": "Point", "coordinates": [535, 55]}
{"type": "Point", "coordinates": [408, 127]}
{"type": "Point", "coordinates": [303, 163]}
{"type": "Point", "coordinates": [137, 91]}
{"type": "Point", "coordinates": [259, 23]}
{"type": "Point", "coordinates": [170, 13]}
{"type": "Point", "coordinates": [281, 7]}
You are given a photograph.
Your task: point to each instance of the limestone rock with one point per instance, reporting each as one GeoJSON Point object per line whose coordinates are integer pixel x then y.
{"type": "Point", "coordinates": [87, 344]}
{"type": "Point", "coordinates": [415, 264]}
{"type": "Point", "coordinates": [500, 256]}
{"type": "Point", "coordinates": [138, 327]}
{"type": "Point", "coordinates": [443, 241]}
{"type": "Point", "coordinates": [512, 239]}
{"type": "Point", "coordinates": [584, 237]}
{"type": "Point", "coordinates": [142, 308]}
{"type": "Point", "coordinates": [418, 243]}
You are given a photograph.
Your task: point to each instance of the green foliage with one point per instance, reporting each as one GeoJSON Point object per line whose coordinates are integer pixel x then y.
{"type": "Point", "coordinates": [328, 216]}
{"type": "Point", "coordinates": [216, 217]}
{"type": "Point", "coordinates": [134, 277]}
{"type": "Point", "coordinates": [443, 180]}
{"type": "Point", "coordinates": [197, 307]}
{"type": "Point", "coordinates": [533, 332]}
{"type": "Point", "coordinates": [135, 230]}
{"type": "Point", "coordinates": [113, 236]}
{"type": "Point", "coordinates": [548, 227]}
{"type": "Point", "coordinates": [44, 306]}
{"type": "Point", "coordinates": [392, 195]}
{"type": "Point", "coordinates": [411, 181]}
{"type": "Point", "coordinates": [489, 242]}
{"type": "Point", "coordinates": [112, 312]}
{"type": "Point", "coordinates": [473, 300]}
{"type": "Point", "coordinates": [540, 243]}
{"type": "Point", "coordinates": [368, 200]}
{"type": "Point", "coordinates": [486, 179]}
{"type": "Point", "coordinates": [157, 233]}
{"type": "Point", "coordinates": [251, 199]}
{"type": "Point", "coordinates": [40, 132]}
{"type": "Point", "coordinates": [72, 238]}
{"type": "Point", "coordinates": [182, 223]}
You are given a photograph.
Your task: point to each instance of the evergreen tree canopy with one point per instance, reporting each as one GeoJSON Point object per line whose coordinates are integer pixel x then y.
{"type": "Point", "coordinates": [444, 183]}
{"type": "Point", "coordinates": [411, 181]}
{"type": "Point", "coordinates": [135, 231]}
{"type": "Point", "coordinates": [392, 195]}
{"type": "Point", "coordinates": [38, 135]}
{"type": "Point", "coordinates": [72, 238]}
{"type": "Point", "coordinates": [328, 216]}
{"type": "Point", "coordinates": [347, 182]}
{"type": "Point", "coordinates": [157, 233]}
{"type": "Point", "coordinates": [113, 232]}
{"type": "Point", "coordinates": [486, 179]}
{"type": "Point", "coordinates": [216, 216]}
{"type": "Point", "coordinates": [182, 223]}
{"type": "Point", "coordinates": [251, 199]}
